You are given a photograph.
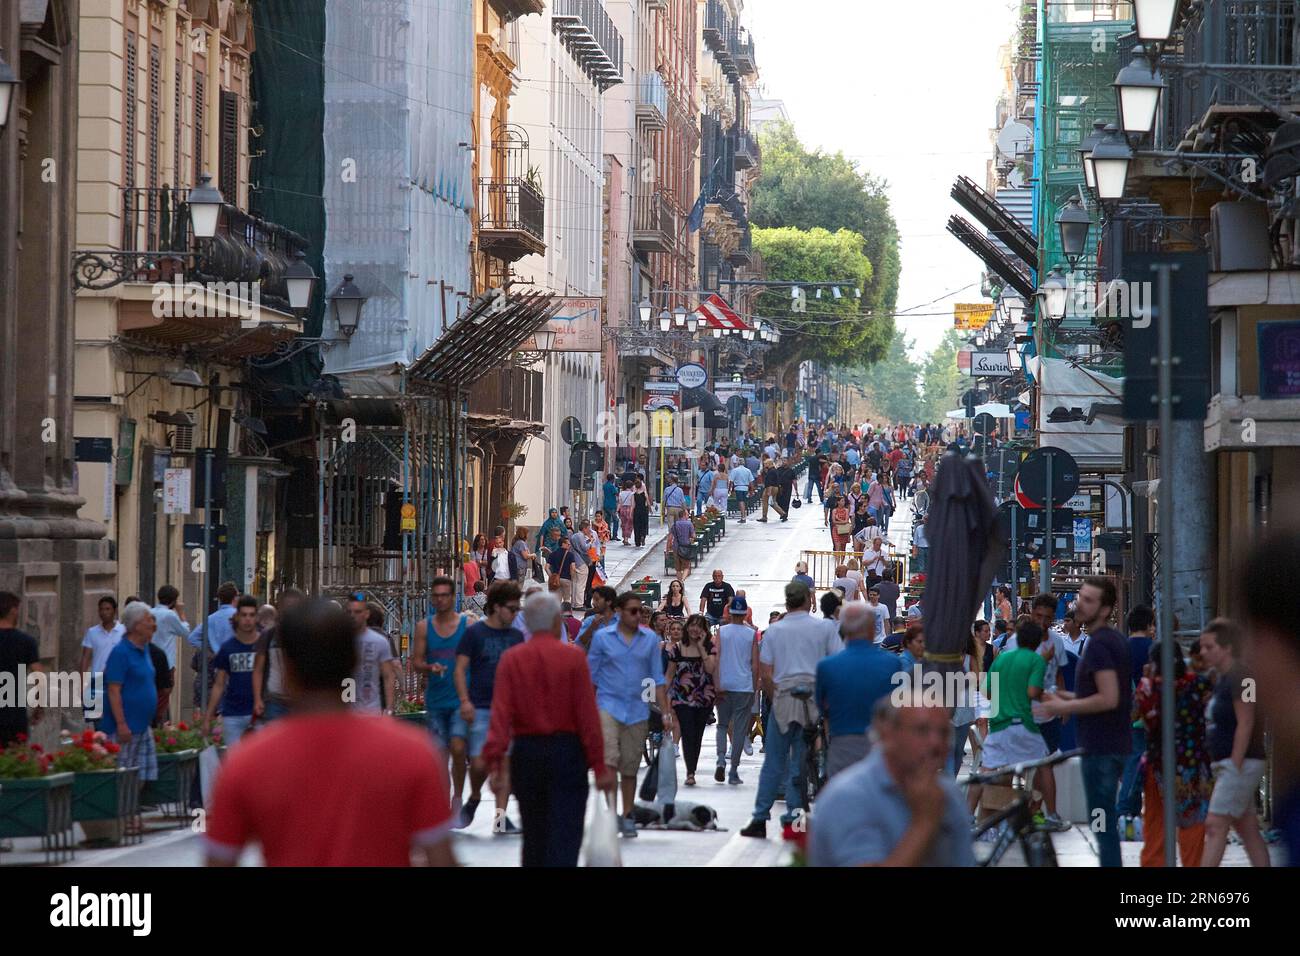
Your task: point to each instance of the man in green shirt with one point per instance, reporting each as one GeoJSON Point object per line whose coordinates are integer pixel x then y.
{"type": "Point", "coordinates": [1015, 681]}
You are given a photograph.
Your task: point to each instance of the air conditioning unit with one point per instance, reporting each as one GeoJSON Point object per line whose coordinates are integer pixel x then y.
{"type": "Point", "coordinates": [183, 436]}
{"type": "Point", "coordinates": [1239, 237]}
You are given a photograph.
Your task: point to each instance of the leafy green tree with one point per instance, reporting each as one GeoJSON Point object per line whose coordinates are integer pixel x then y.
{"type": "Point", "coordinates": [892, 385]}
{"type": "Point", "coordinates": [807, 190]}
{"type": "Point", "coordinates": [830, 329]}
{"type": "Point", "coordinates": [941, 382]}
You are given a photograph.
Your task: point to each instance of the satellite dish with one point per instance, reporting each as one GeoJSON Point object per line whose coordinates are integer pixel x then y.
{"type": "Point", "coordinates": [1014, 140]}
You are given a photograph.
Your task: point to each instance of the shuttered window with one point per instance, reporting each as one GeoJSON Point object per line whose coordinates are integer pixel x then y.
{"type": "Point", "coordinates": [155, 114]}
{"type": "Point", "coordinates": [128, 133]}
{"type": "Point", "coordinates": [228, 181]}
{"type": "Point", "coordinates": [177, 126]}
{"type": "Point", "coordinates": [198, 125]}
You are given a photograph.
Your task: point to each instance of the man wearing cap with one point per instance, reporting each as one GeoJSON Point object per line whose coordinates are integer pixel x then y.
{"type": "Point", "coordinates": [737, 676]}
{"type": "Point", "coordinates": [788, 658]}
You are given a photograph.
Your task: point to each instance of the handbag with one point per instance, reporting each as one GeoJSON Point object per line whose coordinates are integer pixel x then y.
{"type": "Point", "coordinates": [553, 582]}
{"type": "Point", "coordinates": [796, 502]}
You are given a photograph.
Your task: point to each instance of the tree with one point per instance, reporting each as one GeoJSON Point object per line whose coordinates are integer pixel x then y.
{"type": "Point", "coordinates": [941, 381]}
{"type": "Point", "coordinates": [833, 330]}
{"type": "Point", "coordinates": [807, 190]}
{"type": "Point", "coordinates": [891, 386]}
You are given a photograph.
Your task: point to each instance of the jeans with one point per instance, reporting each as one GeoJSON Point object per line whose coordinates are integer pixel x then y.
{"type": "Point", "coordinates": [1101, 774]}
{"type": "Point", "coordinates": [1130, 787]}
{"type": "Point", "coordinates": [275, 707]}
{"type": "Point", "coordinates": [548, 775]}
{"type": "Point", "coordinates": [782, 764]}
{"type": "Point", "coordinates": [692, 721]}
{"type": "Point", "coordinates": [959, 735]}
{"type": "Point", "coordinates": [440, 724]}
{"type": "Point", "coordinates": [611, 518]}
{"type": "Point", "coordinates": [234, 727]}
{"type": "Point", "coordinates": [814, 481]}
{"type": "Point", "coordinates": [735, 708]}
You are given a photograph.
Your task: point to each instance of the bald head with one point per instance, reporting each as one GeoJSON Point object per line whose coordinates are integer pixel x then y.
{"type": "Point", "coordinates": [856, 621]}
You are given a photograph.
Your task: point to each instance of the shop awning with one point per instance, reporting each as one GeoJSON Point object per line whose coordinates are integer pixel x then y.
{"type": "Point", "coordinates": [484, 337]}
{"type": "Point", "coordinates": [715, 412]}
{"type": "Point", "coordinates": [1001, 224]}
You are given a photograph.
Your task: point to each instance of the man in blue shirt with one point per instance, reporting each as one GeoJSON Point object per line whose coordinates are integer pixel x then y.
{"type": "Point", "coordinates": [132, 694]}
{"type": "Point", "coordinates": [894, 808]}
{"type": "Point", "coordinates": [849, 684]}
{"type": "Point", "coordinates": [217, 629]}
{"type": "Point", "coordinates": [741, 479]}
{"type": "Point", "coordinates": [626, 662]}
{"type": "Point", "coordinates": [233, 688]}
{"type": "Point", "coordinates": [609, 504]}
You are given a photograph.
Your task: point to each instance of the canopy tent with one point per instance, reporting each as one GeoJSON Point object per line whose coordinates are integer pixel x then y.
{"type": "Point", "coordinates": [996, 409]}
{"type": "Point", "coordinates": [1098, 446]}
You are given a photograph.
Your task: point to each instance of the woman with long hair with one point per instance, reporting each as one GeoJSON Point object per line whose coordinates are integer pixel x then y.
{"type": "Point", "coordinates": [690, 677]}
{"type": "Point", "coordinates": [721, 486]}
{"type": "Point", "coordinates": [841, 524]}
{"type": "Point", "coordinates": [480, 552]}
{"type": "Point", "coordinates": [640, 511]}
{"type": "Point", "coordinates": [626, 503]}
{"type": "Point", "coordinates": [862, 525]}
{"type": "Point", "coordinates": [1005, 610]}
{"type": "Point", "coordinates": [887, 501]}
{"type": "Point", "coordinates": [674, 603]}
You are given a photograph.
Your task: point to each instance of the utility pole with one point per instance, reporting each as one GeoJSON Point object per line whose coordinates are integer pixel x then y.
{"type": "Point", "coordinates": [1165, 516]}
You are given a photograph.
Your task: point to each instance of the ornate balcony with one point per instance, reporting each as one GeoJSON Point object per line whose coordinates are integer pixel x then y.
{"type": "Point", "coordinates": [743, 54]}
{"type": "Point", "coordinates": [747, 154]}
{"type": "Point", "coordinates": [652, 101]}
{"type": "Point", "coordinates": [512, 218]}
{"type": "Point", "coordinates": [654, 227]}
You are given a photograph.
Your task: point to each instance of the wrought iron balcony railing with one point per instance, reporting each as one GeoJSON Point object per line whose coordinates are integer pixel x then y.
{"type": "Point", "coordinates": [654, 228]}
{"type": "Point", "coordinates": [590, 35]}
{"type": "Point", "coordinates": [652, 100]}
{"type": "Point", "coordinates": [746, 151]}
{"type": "Point", "coordinates": [158, 244]}
{"type": "Point", "coordinates": [720, 35]}
{"type": "Point", "coordinates": [743, 54]}
{"type": "Point", "coordinates": [1143, 227]}
{"type": "Point", "coordinates": [512, 218]}
{"type": "Point", "coordinates": [509, 392]}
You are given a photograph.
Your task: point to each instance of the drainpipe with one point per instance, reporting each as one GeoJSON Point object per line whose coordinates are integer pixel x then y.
{"type": "Point", "coordinates": [1192, 551]}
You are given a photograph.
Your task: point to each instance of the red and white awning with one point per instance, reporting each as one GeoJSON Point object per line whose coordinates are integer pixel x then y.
{"type": "Point", "coordinates": [716, 314]}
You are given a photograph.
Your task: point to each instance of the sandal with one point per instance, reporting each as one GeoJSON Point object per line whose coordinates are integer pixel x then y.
{"type": "Point", "coordinates": [690, 780]}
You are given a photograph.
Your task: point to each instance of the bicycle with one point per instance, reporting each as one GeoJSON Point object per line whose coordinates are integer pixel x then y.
{"type": "Point", "coordinates": [1035, 840]}
{"type": "Point", "coordinates": [812, 775]}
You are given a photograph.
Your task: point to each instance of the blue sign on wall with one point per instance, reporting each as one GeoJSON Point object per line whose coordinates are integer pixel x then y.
{"type": "Point", "coordinates": [1022, 420]}
{"type": "Point", "coordinates": [1279, 359]}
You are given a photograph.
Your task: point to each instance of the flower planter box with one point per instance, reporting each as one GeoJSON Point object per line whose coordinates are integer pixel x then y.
{"type": "Point", "coordinates": [650, 590]}
{"type": "Point", "coordinates": [39, 806]}
{"type": "Point", "coordinates": [106, 802]}
{"type": "Point", "coordinates": [420, 717]}
{"type": "Point", "coordinates": [176, 775]}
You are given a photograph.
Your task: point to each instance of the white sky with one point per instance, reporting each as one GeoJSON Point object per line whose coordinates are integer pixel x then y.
{"type": "Point", "coordinates": [908, 90]}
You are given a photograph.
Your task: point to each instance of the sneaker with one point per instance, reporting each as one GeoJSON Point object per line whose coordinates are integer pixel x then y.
{"type": "Point", "coordinates": [734, 779]}
{"type": "Point", "coordinates": [756, 828]}
{"type": "Point", "coordinates": [628, 828]}
{"type": "Point", "coordinates": [762, 748]}
{"type": "Point", "coordinates": [749, 748]}
{"type": "Point", "coordinates": [1056, 824]}
{"type": "Point", "coordinates": [506, 828]}
{"type": "Point", "coordinates": [720, 774]}
{"type": "Point", "coordinates": [764, 520]}
{"type": "Point", "coordinates": [467, 812]}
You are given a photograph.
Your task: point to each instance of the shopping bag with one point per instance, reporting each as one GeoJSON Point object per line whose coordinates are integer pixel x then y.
{"type": "Point", "coordinates": [209, 764]}
{"type": "Point", "coordinates": [650, 782]}
{"type": "Point", "coordinates": [600, 838]}
{"type": "Point", "coordinates": [667, 770]}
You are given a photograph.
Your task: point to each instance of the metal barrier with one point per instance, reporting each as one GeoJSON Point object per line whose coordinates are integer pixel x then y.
{"type": "Point", "coordinates": [822, 565]}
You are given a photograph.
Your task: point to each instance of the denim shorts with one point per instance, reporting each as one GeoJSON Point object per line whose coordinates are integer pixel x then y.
{"type": "Point", "coordinates": [475, 737]}
{"type": "Point", "coordinates": [441, 723]}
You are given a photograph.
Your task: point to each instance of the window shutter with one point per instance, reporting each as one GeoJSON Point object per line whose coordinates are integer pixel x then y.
{"type": "Point", "coordinates": [128, 133]}
{"type": "Point", "coordinates": [198, 126]}
{"type": "Point", "coordinates": [178, 126]}
{"type": "Point", "coordinates": [155, 113]}
{"type": "Point", "coordinates": [228, 181]}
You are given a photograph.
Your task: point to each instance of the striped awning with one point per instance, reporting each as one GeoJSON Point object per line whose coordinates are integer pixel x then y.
{"type": "Point", "coordinates": [717, 314]}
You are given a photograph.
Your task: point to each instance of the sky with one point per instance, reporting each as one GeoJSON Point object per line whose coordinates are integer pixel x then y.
{"type": "Point", "coordinates": [907, 90]}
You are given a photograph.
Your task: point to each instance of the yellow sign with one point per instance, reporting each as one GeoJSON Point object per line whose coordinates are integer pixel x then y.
{"type": "Point", "coordinates": [968, 317]}
{"type": "Point", "coordinates": [662, 423]}
{"type": "Point", "coordinates": [408, 517]}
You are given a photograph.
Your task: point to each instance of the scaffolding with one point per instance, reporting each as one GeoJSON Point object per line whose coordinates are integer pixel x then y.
{"type": "Point", "coordinates": [1079, 43]}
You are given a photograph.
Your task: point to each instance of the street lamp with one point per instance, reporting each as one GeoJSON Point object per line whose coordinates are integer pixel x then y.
{"type": "Point", "coordinates": [1013, 356]}
{"type": "Point", "coordinates": [299, 282]}
{"type": "Point", "coordinates": [1074, 222]}
{"type": "Point", "coordinates": [692, 323]}
{"type": "Point", "coordinates": [1110, 161]}
{"type": "Point", "coordinates": [646, 310]}
{"type": "Point", "coordinates": [1086, 147]}
{"type": "Point", "coordinates": [1155, 19]}
{"type": "Point", "coordinates": [979, 340]}
{"type": "Point", "coordinates": [205, 204]}
{"type": "Point", "coordinates": [1015, 308]}
{"type": "Point", "coordinates": [717, 332]}
{"type": "Point", "coordinates": [679, 316]}
{"type": "Point", "coordinates": [8, 86]}
{"type": "Point", "coordinates": [347, 300]}
{"type": "Point", "coordinates": [1137, 88]}
{"type": "Point", "coordinates": [544, 339]}
{"type": "Point", "coordinates": [665, 320]}
{"type": "Point", "coordinates": [1053, 294]}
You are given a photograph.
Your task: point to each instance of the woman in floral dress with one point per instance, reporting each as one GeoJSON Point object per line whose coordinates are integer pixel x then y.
{"type": "Point", "coordinates": [692, 668]}
{"type": "Point", "coordinates": [1194, 781]}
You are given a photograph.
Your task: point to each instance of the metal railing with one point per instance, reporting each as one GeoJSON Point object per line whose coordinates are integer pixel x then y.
{"type": "Point", "coordinates": [1144, 228]}
{"type": "Point", "coordinates": [747, 154]}
{"type": "Point", "coordinates": [157, 243]}
{"type": "Point", "coordinates": [743, 53]}
{"type": "Point", "coordinates": [592, 37]}
{"type": "Point", "coordinates": [652, 222]}
{"type": "Point", "coordinates": [512, 204]}
{"type": "Point", "coordinates": [652, 93]}
{"type": "Point", "coordinates": [822, 565]}
{"type": "Point", "coordinates": [510, 392]}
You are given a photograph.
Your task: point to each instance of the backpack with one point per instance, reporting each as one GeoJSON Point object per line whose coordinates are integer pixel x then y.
{"type": "Point", "coordinates": [512, 561]}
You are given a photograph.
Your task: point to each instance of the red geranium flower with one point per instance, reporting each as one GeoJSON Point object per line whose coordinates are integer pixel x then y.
{"type": "Point", "coordinates": [171, 741]}
{"type": "Point", "coordinates": [182, 726]}
{"type": "Point", "coordinates": [21, 738]}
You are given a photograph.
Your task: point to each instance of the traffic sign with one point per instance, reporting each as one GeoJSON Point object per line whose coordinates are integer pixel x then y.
{"type": "Point", "coordinates": [585, 458]}
{"type": "Point", "coordinates": [571, 430]}
{"type": "Point", "coordinates": [1002, 465]}
{"type": "Point", "coordinates": [984, 424]}
{"type": "Point", "coordinates": [1036, 520]}
{"type": "Point", "coordinates": [1190, 324]}
{"type": "Point", "coordinates": [1031, 479]}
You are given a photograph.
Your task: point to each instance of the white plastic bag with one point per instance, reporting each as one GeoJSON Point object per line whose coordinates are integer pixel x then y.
{"type": "Point", "coordinates": [667, 771]}
{"type": "Point", "coordinates": [600, 840]}
{"type": "Point", "coordinates": [209, 764]}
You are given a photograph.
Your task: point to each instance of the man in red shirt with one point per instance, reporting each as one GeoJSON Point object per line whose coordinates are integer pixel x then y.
{"type": "Point", "coordinates": [544, 705]}
{"type": "Point", "coordinates": [329, 785]}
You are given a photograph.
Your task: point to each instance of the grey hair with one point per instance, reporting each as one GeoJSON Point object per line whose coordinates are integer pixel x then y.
{"type": "Point", "coordinates": [855, 620]}
{"type": "Point", "coordinates": [133, 614]}
{"type": "Point", "coordinates": [540, 611]}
